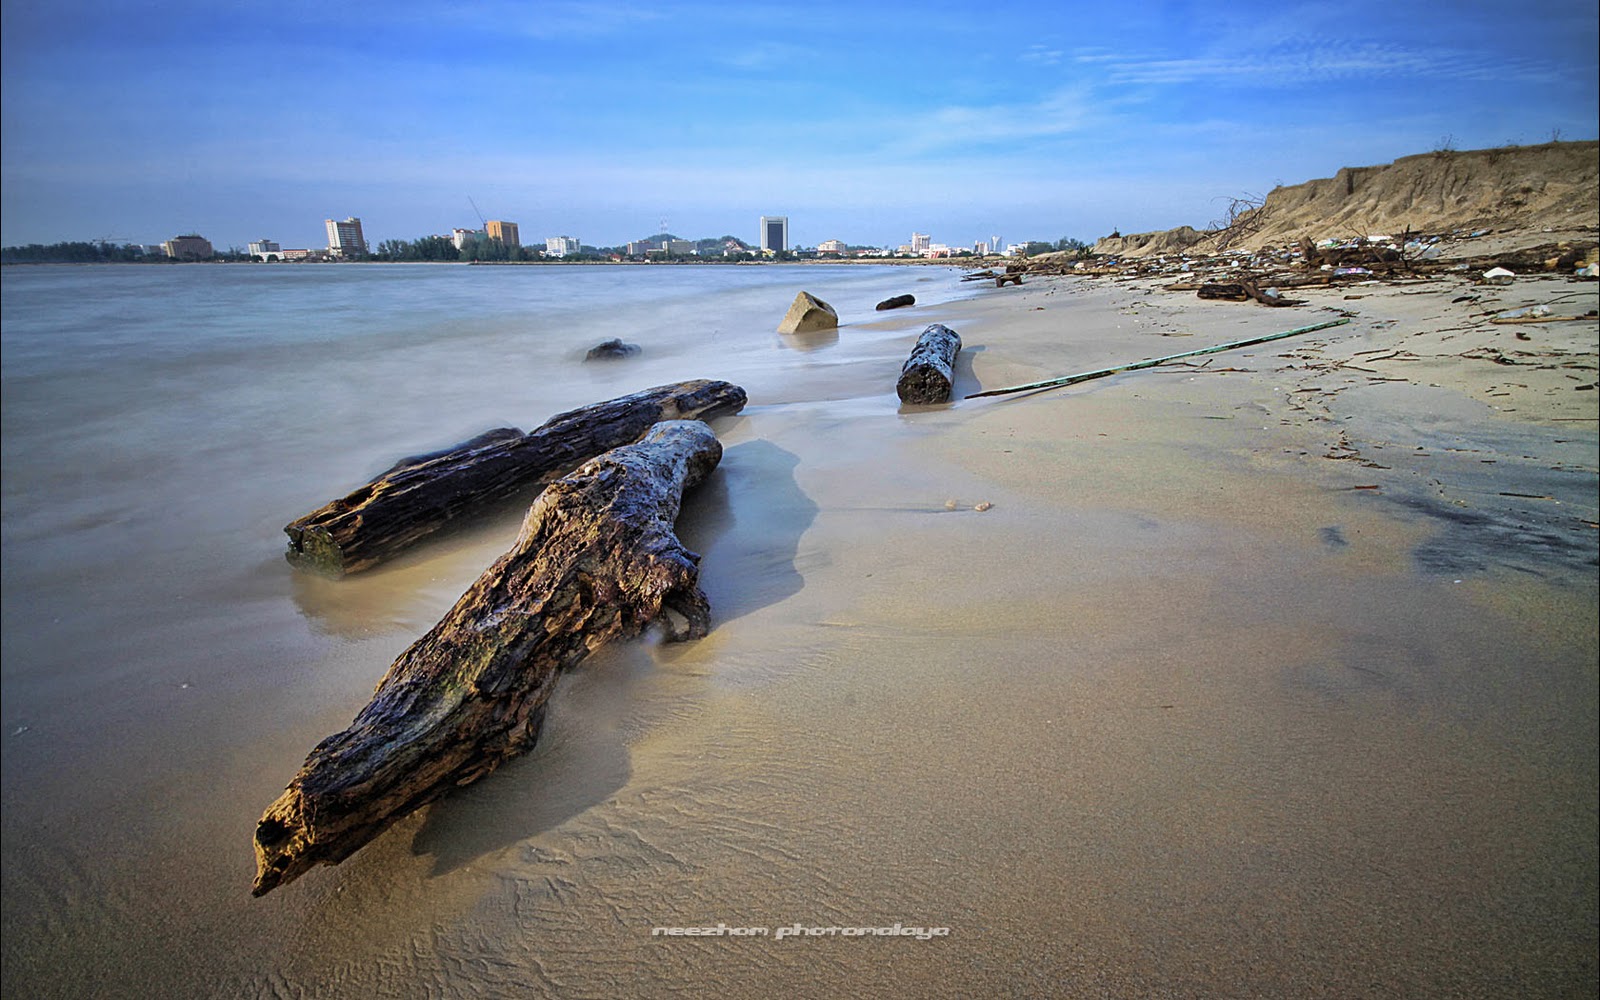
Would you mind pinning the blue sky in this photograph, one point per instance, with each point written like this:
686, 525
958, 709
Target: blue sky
860, 121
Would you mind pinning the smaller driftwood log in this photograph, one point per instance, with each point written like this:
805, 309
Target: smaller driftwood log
597, 560
896, 301
425, 493
928, 374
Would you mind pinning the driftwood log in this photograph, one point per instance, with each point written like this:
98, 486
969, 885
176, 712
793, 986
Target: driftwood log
425, 493
896, 301
597, 559
928, 374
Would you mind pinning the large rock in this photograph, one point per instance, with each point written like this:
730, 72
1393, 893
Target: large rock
807, 314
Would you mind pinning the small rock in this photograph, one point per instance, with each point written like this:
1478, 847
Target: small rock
614, 348
983, 506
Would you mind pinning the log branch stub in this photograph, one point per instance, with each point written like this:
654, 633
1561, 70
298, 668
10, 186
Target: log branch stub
423, 494
929, 372
597, 559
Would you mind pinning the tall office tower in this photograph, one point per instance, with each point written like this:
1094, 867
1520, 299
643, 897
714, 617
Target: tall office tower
505, 232
345, 239
994, 244
920, 243
774, 232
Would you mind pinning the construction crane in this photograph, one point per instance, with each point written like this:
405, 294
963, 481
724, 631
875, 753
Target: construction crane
481, 220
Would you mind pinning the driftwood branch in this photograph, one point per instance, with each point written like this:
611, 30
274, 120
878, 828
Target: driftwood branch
425, 493
928, 373
597, 560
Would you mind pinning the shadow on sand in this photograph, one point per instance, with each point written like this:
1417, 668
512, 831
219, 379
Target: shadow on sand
746, 521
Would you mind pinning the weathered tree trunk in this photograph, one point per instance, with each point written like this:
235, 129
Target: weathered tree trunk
896, 301
928, 374
424, 493
597, 559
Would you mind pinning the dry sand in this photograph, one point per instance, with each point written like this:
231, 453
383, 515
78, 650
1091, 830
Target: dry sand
1273, 677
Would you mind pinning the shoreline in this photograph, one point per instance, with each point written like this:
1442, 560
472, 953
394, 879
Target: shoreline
1188, 707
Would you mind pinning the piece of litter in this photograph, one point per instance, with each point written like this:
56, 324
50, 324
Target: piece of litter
983, 506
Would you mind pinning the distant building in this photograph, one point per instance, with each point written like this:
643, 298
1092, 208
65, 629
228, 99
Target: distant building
1017, 250
638, 248
345, 239
678, 246
775, 233
266, 250
302, 255
459, 237
919, 243
831, 246
981, 247
505, 232
995, 244
190, 247
562, 246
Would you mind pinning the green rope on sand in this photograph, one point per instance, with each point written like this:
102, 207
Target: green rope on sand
1135, 366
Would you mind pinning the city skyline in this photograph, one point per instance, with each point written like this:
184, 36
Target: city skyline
1092, 120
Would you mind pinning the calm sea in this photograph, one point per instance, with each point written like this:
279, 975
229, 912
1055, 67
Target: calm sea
161, 425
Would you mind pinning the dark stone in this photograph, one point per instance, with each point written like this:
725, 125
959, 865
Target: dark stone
611, 349
897, 302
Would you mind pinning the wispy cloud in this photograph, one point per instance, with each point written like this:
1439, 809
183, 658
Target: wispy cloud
1295, 62
1044, 55
956, 125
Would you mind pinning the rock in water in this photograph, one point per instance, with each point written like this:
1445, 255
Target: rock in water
614, 348
807, 314
897, 301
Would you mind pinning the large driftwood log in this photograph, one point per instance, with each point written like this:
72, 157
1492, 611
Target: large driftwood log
424, 493
928, 374
597, 559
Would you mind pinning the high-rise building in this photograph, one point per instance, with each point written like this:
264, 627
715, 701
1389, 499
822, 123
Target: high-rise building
345, 239
266, 249
505, 232
190, 247
562, 246
775, 232
920, 242
995, 244
459, 237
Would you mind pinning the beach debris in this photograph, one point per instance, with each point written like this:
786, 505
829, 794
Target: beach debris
807, 314
1527, 314
423, 494
895, 302
1013, 275
928, 373
981, 507
1498, 276
610, 350
597, 560
1153, 362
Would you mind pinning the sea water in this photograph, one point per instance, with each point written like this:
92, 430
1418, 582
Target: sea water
161, 425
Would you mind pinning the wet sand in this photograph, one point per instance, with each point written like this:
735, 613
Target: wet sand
1269, 678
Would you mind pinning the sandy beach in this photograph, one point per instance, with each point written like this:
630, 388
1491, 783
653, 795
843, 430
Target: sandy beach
1272, 674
